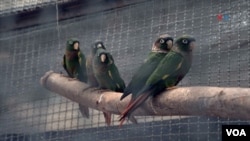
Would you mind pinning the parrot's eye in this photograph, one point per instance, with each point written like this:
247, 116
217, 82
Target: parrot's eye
161, 41
70, 42
184, 41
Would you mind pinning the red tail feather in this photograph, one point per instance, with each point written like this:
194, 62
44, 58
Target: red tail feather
107, 117
132, 106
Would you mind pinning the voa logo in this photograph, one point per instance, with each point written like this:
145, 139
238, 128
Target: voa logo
223, 17
236, 132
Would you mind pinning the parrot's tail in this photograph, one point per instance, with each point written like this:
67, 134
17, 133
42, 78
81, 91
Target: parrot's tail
107, 116
133, 119
149, 90
84, 111
132, 106
126, 92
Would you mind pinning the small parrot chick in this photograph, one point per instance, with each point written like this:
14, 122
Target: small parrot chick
168, 73
74, 63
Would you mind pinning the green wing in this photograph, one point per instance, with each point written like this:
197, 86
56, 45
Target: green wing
82, 60
143, 73
90, 74
168, 69
64, 63
115, 76
106, 73
82, 72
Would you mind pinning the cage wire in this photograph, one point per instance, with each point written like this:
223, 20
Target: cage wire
29, 112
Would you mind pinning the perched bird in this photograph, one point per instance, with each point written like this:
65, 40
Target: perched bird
169, 72
160, 48
106, 72
90, 73
106, 75
74, 63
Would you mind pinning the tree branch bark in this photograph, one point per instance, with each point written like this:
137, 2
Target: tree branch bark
195, 101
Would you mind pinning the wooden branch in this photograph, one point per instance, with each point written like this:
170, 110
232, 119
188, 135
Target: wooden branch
195, 101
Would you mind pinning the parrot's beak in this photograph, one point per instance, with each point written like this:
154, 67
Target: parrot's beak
103, 58
192, 45
76, 46
170, 44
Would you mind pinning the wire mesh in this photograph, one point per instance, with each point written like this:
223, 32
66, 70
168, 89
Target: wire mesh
29, 112
15, 6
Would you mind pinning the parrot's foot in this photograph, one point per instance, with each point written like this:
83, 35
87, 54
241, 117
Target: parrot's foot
95, 89
72, 79
99, 89
171, 88
89, 87
61, 73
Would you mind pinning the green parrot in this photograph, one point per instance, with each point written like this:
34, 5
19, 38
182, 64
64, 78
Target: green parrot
106, 72
74, 63
90, 73
107, 75
169, 72
160, 48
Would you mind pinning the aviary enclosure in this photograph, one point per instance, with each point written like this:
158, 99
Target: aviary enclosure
33, 36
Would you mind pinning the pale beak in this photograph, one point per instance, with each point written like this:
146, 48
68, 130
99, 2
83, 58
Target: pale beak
170, 44
192, 45
103, 58
76, 46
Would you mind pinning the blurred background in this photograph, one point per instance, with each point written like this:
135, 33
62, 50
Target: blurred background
33, 36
